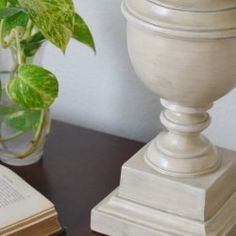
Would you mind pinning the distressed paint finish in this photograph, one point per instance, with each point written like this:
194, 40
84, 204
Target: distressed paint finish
179, 184
187, 52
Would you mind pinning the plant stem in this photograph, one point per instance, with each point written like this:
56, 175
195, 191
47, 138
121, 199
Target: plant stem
3, 43
36, 141
16, 135
14, 59
38, 137
28, 31
20, 59
1, 32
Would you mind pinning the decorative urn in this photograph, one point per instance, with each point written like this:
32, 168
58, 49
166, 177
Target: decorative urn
180, 183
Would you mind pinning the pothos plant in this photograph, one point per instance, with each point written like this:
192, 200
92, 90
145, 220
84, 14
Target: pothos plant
24, 26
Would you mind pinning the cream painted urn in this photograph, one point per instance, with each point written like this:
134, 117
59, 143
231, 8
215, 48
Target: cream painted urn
179, 184
185, 51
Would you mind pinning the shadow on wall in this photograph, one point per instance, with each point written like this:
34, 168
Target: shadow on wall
103, 92
137, 108
106, 94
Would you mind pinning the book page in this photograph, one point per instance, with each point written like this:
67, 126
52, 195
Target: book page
18, 200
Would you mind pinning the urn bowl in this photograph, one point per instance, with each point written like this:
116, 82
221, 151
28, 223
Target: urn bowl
185, 51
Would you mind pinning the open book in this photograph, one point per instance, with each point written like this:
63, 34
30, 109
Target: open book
23, 210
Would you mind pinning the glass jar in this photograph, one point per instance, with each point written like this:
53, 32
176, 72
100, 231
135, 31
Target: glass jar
21, 143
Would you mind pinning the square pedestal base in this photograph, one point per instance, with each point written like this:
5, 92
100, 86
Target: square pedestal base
151, 204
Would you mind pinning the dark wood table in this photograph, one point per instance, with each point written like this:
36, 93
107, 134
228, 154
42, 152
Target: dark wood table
79, 168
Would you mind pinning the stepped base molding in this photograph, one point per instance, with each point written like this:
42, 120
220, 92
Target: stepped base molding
152, 204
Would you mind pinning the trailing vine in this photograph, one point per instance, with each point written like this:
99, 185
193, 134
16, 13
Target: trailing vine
24, 26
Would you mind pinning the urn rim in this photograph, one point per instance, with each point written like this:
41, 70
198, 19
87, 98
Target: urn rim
197, 6
170, 20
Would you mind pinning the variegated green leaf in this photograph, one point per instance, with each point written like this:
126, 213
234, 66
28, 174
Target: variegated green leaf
54, 18
33, 87
20, 119
23, 120
8, 12
82, 32
3, 3
31, 47
19, 19
13, 2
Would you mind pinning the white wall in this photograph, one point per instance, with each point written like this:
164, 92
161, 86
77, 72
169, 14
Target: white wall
103, 93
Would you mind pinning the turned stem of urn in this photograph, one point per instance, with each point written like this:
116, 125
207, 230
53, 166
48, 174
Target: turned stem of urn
183, 151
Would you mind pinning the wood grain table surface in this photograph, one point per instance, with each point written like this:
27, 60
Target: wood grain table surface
79, 168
